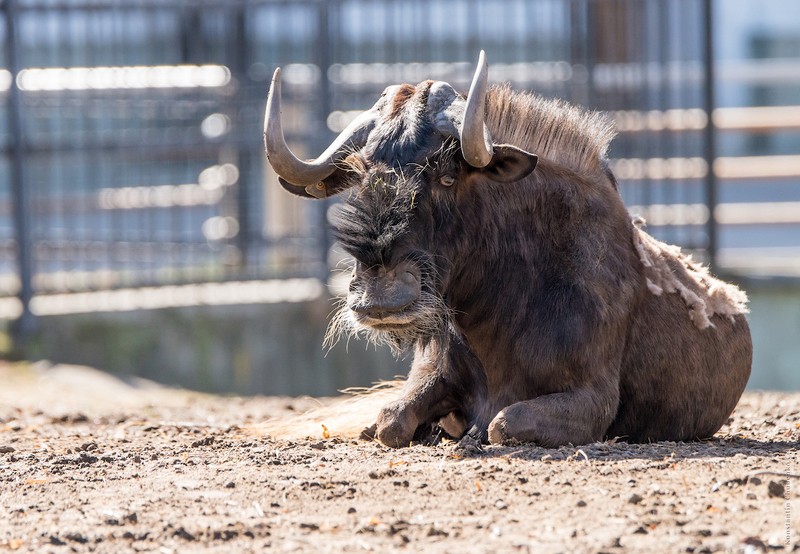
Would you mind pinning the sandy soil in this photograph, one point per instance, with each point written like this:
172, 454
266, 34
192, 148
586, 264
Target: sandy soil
91, 464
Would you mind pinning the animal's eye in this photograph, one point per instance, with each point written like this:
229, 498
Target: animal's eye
447, 180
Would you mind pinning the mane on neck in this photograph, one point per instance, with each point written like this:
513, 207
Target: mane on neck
552, 129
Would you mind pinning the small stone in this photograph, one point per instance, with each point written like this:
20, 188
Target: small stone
635, 499
775, 489
351, 510
434, 532
184, 534
205, 441
581, 504
230, 485
4, 449
77, 537
756, 544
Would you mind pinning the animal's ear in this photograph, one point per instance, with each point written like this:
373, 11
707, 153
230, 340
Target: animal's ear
510, 164
333, 184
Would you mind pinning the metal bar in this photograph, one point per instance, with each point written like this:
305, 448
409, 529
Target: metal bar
92, 5
240, 50
757, 167
729, 213
709, 135
741, 167
757, 119
323, 61
753, 119
25, 324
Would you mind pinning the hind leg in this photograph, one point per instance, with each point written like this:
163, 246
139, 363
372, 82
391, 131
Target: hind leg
551, 420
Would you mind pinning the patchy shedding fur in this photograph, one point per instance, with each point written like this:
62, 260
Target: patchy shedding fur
669, 270
552, 128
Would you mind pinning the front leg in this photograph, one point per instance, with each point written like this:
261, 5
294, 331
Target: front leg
445, 377
551, 420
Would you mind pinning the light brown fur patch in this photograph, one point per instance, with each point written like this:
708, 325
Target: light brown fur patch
344, 418
401, 98
669, 270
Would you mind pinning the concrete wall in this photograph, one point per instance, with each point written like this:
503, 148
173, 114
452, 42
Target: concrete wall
277, 348
243, 349
775, 323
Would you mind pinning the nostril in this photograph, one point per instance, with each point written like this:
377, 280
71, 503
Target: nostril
367, 310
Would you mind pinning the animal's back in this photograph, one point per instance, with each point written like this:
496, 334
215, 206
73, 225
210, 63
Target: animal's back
688, 353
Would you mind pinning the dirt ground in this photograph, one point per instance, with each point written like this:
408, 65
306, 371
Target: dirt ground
91, 464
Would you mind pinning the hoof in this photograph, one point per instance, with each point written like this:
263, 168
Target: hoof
368, 434
453, 424
498, 429
395, 427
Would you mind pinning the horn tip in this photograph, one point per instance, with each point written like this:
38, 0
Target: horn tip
273, 101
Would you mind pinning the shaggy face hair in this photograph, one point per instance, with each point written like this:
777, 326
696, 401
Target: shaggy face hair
379, 225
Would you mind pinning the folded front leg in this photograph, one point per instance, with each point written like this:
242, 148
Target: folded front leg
445, 377
551, 420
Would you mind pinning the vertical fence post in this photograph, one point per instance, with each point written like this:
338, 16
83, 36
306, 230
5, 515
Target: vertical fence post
322, 59
709, 135
22, 328
239, 62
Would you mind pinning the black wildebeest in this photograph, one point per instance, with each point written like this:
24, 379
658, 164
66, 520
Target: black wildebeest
489, 237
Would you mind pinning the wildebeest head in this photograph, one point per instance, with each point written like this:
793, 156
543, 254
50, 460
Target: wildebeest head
404, 161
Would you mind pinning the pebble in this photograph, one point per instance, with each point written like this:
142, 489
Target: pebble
775, 489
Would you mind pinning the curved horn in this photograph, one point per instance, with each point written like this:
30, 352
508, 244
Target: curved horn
285, 163
476, 144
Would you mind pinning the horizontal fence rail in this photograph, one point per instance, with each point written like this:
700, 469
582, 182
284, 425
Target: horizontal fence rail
130, 132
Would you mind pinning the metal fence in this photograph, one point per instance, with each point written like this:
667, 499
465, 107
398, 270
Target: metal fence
130, 132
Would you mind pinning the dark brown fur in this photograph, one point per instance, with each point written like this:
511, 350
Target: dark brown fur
556, 319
